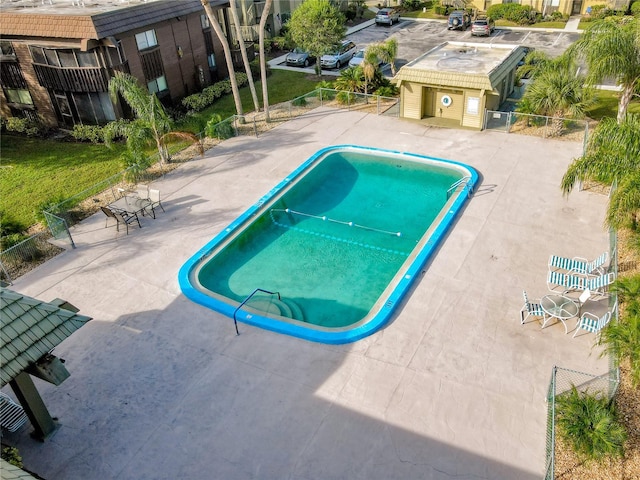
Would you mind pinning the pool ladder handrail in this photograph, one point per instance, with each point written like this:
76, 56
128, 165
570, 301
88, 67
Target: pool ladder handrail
463, 181
235, 321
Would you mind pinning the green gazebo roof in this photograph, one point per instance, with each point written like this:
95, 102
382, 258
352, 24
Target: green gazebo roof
31, 328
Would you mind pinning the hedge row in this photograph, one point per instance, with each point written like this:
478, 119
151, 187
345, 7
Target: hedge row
200, 101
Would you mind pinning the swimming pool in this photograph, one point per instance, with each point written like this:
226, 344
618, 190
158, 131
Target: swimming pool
329, 253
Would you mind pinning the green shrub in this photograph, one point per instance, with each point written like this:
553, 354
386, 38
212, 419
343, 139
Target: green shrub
200, 101
299, 102
412, 5
31, 128
280, 43
88, 133
11, 455
387, 91
634, 9
346, 98
590, 425
255, 68
219, 128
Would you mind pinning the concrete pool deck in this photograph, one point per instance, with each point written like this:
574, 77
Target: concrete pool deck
453, 387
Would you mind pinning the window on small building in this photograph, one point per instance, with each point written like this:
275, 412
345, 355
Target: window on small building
157, 85
211, 59
18, 95
204, 21
146, 39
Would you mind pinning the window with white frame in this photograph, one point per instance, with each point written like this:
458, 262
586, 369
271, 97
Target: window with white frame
146, 39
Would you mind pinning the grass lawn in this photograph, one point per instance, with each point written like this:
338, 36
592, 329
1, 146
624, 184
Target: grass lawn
34, 171
283, 85
607, 105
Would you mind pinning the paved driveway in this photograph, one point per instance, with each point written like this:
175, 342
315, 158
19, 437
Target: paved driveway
453, 387
417, 37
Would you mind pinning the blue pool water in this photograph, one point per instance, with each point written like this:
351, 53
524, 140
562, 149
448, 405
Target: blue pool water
330, 252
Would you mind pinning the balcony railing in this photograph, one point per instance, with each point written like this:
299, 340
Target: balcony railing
83, 79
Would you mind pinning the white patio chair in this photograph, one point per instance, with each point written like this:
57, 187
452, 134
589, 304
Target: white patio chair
579, 265
592, 323
530, 309
154, 198
12, 415
597, 285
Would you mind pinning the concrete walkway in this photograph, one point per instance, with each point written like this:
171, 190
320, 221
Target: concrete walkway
572, 24
453, 387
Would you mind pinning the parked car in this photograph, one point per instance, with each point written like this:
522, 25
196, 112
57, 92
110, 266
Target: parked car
387, 16
358, 57
340, 56
483, 26
459, 20
299, 58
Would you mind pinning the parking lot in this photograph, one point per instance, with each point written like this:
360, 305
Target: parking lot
417, 37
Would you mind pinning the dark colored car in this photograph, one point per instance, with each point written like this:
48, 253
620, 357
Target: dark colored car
483, 27
459, 20
387, 16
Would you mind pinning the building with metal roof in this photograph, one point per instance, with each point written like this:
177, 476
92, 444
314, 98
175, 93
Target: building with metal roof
458, 82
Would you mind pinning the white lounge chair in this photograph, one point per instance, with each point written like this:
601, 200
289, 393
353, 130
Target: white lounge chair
592, 323
597, 285
578, 265
530, 309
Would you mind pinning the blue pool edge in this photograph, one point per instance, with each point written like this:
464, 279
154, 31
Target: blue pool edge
383, 315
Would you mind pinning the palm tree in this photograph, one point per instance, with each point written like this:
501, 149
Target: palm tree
151, 124
556, 91
621, 340
369, 67
612, 153
243, 52
611, 49
350, 80
263, 61
227, 54
387, 52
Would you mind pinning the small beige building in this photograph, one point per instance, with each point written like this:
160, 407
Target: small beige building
458, 81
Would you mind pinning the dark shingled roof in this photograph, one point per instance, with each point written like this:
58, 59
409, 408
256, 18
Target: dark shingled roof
102, 21
29, 329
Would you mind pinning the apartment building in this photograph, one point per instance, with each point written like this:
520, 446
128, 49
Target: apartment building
57, 56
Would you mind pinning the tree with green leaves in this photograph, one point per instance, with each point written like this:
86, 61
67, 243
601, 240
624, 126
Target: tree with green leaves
317, 26
611, 49
612, 153
213, 21
557, 91
243, 52
263, 59
151, 125
388, 52
369, 66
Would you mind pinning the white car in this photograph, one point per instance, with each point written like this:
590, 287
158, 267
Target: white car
340, 56
358, 57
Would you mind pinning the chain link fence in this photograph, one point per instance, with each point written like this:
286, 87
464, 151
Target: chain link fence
536, 125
